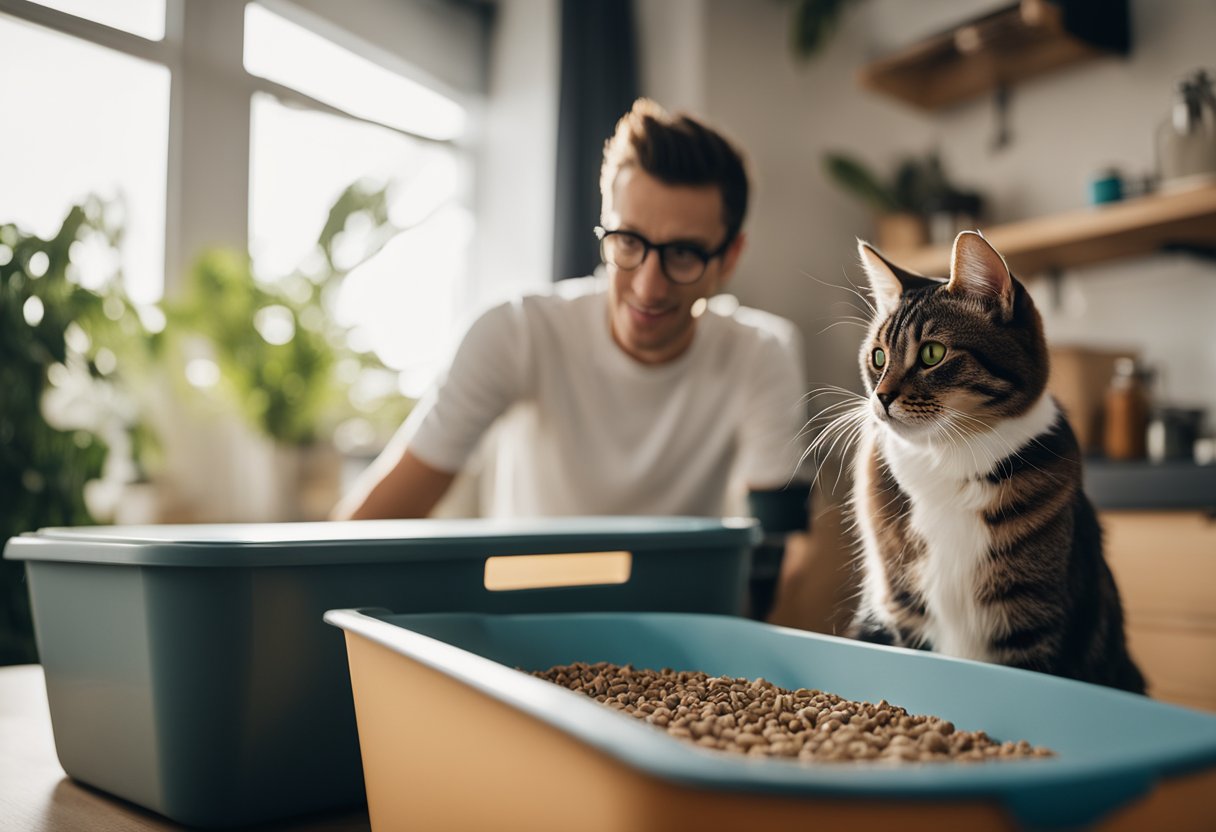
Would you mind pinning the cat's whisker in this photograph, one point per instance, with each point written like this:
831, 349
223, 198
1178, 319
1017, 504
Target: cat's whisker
956, 433
851, 401
838, 423
855, 318
824, 457
843, 322
823, 388
986, 428
848, 288
816, 421
828, 389
955, 414
844, 455
848, 404
836, 429
856, 289
1013, 453
827, 413
846, 451
831, 422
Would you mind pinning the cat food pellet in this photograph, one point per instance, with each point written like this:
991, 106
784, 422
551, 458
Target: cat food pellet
757, 718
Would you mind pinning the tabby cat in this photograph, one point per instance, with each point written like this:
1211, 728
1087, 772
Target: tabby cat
977, 540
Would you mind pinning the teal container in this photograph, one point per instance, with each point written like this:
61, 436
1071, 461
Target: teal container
188, 669
1115, 750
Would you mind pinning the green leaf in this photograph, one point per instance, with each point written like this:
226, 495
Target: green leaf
853, 176
812, 25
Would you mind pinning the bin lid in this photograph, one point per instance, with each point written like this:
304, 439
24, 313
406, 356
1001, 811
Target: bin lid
373, 541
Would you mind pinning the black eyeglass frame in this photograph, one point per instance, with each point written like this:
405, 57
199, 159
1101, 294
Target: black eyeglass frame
602, 234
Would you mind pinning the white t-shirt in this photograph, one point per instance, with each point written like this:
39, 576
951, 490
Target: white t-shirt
591, 431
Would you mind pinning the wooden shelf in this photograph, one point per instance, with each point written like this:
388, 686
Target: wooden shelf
1028, 38
1130, 228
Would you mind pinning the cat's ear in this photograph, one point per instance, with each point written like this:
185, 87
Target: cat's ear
977, 268
887, 281
885, 287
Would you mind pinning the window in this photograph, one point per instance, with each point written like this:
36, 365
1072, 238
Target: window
402, 301
145, 18
91, 114
390, 131
85, 119
282, 51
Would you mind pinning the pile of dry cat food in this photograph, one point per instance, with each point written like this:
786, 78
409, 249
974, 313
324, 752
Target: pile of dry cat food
756, 717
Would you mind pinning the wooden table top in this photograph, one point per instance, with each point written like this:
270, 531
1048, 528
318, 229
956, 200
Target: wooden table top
37, 796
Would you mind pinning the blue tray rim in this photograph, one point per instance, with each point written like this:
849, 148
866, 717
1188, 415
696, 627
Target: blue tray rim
1030, 789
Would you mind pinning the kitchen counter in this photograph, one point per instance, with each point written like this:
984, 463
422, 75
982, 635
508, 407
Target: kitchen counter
1166, 486
37, 796
1165, 565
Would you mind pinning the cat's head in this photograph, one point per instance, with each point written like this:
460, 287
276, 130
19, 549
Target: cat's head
945, 355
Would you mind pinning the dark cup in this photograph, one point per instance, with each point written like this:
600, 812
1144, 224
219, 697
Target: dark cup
1172, 432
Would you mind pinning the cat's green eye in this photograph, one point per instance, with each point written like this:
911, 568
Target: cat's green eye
879, 357
932, 353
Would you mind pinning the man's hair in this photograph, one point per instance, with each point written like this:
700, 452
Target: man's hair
677, 150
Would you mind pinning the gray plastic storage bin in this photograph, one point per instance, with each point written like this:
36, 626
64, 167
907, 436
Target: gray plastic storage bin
188, 669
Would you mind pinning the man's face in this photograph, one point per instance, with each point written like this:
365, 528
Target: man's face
652, 317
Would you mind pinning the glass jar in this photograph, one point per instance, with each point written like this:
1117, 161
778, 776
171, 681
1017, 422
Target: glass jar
1186, 141
1126, 411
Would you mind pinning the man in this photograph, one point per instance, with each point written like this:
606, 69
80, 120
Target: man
622, 394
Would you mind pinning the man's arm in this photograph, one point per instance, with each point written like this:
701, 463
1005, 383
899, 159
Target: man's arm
397, 484
486, 376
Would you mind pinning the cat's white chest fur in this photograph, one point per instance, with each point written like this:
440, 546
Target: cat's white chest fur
949, 494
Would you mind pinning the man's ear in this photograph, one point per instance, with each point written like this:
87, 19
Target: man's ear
885, 285
730, 258
976, 268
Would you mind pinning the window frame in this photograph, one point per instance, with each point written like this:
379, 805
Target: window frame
211, 93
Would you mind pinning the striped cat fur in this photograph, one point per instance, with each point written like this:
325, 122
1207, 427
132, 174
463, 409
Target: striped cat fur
976, 538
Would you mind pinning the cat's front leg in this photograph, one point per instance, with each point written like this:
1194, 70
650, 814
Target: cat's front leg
866, 627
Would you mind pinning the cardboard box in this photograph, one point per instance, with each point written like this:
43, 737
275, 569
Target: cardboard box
1079, 379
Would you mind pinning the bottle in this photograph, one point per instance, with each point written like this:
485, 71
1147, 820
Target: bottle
1186, 141
1127, 410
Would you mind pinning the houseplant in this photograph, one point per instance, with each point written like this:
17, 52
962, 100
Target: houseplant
812, 23
284, 362
65, 418
902, 204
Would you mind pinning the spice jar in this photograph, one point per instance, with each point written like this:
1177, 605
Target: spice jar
1127, 410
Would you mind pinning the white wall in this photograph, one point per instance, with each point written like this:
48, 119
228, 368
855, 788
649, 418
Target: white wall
801, 230
1066, 126
671, 40
516, 167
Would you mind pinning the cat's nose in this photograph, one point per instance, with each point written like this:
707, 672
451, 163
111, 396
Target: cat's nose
886, 399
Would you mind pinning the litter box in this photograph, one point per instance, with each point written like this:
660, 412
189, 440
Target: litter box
454, 737
188, 669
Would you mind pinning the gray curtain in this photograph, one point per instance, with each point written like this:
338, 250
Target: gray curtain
599, 81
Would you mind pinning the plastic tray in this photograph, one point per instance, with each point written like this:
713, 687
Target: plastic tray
454, 738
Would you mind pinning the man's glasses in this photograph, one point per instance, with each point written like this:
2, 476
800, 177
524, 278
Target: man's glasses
681, 263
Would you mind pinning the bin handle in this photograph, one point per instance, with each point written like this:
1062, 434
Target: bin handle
510, 573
